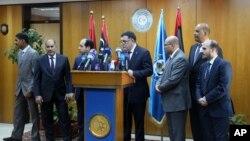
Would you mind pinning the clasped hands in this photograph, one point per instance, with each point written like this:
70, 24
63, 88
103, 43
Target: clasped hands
202, 101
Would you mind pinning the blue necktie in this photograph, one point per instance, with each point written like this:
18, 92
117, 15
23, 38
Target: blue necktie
197, 52
206, 77
52, 66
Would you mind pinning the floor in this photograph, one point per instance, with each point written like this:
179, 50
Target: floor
5, 131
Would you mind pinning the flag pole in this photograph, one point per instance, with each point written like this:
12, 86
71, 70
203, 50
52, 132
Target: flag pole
161, 134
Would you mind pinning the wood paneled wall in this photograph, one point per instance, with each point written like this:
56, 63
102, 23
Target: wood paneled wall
228, 20
10, 15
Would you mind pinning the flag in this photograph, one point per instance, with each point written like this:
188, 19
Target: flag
104, 35
92, 28
178, 29
155, 104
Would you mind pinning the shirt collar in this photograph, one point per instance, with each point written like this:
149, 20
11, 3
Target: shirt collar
172, 55
54, 56
132, 50
26, 48
212, 60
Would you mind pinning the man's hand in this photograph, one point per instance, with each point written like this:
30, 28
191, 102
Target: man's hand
39, 100
157, 88
130, 73
28, 95
202, 101
69, 97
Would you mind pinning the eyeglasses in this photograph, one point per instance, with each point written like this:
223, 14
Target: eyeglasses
124, 41
166, 45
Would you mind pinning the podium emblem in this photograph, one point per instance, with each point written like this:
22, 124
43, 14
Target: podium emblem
99, 125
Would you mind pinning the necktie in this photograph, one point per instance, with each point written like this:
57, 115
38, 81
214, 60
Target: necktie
206, 77
207, 71
197, 52
130, 55
52, 66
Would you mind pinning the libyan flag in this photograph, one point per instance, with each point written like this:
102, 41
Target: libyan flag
92, 28
178, 29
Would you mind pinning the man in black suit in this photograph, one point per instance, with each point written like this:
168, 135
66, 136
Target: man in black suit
84, 48
52, 85
213, 94
201, 34
140, 67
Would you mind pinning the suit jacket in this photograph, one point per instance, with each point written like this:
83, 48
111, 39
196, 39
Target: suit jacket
79, 65
46, 83
217, 89
26, 65
141, 64
195, 67
174, 84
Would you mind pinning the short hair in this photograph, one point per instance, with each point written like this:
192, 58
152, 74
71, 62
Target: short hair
130, 35
205, 27
89, 43
23, 36
214, 45
54, 41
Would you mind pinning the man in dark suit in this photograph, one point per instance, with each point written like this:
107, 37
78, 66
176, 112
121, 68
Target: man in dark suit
174, 88
140, 67
53, 86
201, 34
213, 93
24, 99
84, 47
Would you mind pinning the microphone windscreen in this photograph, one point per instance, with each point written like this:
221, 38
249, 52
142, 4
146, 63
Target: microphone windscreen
107, 50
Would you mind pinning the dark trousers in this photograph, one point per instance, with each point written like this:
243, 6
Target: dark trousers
64, 120
195, 121
21, 112
176, 122
215, 129
80, 116
136, 110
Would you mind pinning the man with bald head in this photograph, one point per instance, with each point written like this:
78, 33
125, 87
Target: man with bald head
84, 48
52, 85
201, 35
174, 88
212, 93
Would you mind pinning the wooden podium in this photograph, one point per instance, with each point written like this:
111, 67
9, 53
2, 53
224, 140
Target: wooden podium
103, 103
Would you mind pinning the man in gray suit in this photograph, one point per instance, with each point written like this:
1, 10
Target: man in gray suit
24, 99
174, 88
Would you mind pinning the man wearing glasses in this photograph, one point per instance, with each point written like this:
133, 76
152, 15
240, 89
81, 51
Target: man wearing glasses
139, 67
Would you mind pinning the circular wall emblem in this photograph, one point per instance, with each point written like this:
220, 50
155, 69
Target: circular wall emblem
142, 20
99, 125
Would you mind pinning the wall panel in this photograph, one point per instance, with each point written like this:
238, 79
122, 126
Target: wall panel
10, 15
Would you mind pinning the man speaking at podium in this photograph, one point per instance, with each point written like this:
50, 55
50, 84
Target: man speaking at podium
139, 67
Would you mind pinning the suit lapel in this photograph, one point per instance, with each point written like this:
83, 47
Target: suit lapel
133, 57
213, 68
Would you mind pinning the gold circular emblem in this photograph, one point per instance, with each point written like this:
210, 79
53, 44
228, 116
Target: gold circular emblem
99, 125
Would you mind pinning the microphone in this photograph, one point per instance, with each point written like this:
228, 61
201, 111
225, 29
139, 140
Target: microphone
123, 62
90, 57
107, 52
118, 52
83, 58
